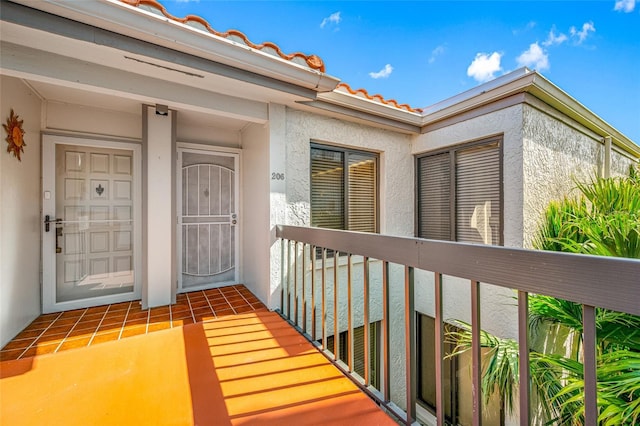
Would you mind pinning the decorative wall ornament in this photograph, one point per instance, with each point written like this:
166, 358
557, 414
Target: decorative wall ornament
15, 135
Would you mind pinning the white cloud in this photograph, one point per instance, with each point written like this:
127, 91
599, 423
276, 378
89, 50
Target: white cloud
436, 52
484, 66
555, 39
334, 18
383, 73
530, 25
625, 6
534, 57
582, 34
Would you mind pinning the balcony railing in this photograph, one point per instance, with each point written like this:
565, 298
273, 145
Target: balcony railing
313, 289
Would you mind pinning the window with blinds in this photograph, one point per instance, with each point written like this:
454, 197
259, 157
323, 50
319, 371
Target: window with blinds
344, 189
460, 194
358, 351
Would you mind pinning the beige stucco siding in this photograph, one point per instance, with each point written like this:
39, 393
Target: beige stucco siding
20, 205
556, 155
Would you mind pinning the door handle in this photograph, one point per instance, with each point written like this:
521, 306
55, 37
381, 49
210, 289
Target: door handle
48, 221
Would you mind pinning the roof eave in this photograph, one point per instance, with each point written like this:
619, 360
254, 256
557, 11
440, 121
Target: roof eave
538, 86
367, 106
552, 95
118, 17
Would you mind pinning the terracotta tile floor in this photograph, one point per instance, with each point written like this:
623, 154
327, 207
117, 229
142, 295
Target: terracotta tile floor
57, 332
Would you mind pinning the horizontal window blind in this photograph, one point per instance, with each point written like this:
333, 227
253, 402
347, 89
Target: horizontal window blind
344, 189
362, 193
434, 189
327, 189
463, 203
478, 195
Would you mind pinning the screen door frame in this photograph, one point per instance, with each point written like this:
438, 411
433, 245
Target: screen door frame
235, 154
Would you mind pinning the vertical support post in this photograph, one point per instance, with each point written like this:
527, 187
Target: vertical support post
336, 328
282, 275
324, 301
289, 279
304, 285
590, 378
476, 354
386, 351
439, 349
295, 283
410, 343
523, 351
606, 169
349, 316
365, 301
313, 292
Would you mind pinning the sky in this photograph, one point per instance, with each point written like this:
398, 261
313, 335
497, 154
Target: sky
422, 52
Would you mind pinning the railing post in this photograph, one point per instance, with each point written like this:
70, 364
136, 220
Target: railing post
289, 279
410, 343
304, 285
349, 316
476, 354
295, 282
324, 301
590, 377
523, 351
439, 349
336, 328
313, 292
282, 274
365, 296
385, 332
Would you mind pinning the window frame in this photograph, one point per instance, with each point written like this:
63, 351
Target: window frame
346, 151
452, 150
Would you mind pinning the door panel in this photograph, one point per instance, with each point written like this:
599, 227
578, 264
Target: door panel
208, 219
90, 243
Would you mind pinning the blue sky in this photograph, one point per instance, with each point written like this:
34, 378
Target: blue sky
422, 52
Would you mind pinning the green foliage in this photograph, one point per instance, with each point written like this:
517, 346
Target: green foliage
604, 221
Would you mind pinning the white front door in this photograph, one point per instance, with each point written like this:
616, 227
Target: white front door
207, 234
92, 222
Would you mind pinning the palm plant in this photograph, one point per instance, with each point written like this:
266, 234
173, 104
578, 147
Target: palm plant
604, 220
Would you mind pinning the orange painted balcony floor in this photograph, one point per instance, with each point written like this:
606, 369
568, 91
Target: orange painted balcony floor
234, 368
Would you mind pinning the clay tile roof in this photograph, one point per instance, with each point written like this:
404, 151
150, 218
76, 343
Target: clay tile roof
376, 98
311, 61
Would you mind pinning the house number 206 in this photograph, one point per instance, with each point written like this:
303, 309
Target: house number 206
277, 176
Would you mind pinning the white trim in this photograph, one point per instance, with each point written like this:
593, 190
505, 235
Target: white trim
236, 154
49, 143
140, 24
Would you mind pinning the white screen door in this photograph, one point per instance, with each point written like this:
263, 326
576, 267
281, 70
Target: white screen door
208, 219
91, 223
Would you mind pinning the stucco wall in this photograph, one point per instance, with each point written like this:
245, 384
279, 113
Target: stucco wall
557, 155
255, 210
20, 296
87, 121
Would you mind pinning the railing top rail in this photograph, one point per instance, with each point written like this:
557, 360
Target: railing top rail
607, 282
